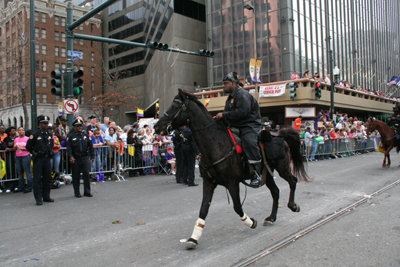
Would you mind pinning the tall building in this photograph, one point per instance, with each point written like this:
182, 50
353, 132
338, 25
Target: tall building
50, 42
152, 75
296, 35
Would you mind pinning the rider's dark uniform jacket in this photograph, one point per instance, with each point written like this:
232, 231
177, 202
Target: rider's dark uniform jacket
242, 111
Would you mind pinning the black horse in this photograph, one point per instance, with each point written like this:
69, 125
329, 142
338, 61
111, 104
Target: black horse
221, 165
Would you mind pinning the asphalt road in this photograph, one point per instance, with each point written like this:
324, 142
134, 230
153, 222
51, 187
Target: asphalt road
155, 213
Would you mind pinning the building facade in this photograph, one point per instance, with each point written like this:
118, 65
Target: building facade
50, 54
152, 75
297, 35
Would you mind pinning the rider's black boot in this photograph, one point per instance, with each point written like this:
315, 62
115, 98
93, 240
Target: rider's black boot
255, 170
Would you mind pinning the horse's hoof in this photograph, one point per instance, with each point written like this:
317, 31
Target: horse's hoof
191, 244
254, 226
268, 223
296, 208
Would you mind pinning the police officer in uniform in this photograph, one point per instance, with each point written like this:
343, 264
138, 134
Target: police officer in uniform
242, 111
190, 153
40, 145
80, 147
178, 149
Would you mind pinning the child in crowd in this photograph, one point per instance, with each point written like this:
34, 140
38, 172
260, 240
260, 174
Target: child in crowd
170, 157
120, 150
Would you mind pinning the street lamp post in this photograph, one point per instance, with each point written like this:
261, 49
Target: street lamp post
250, 7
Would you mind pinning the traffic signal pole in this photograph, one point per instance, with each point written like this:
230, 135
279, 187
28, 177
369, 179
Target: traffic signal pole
70, 27
33, 65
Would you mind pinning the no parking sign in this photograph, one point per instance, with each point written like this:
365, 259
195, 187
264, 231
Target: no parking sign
71, 106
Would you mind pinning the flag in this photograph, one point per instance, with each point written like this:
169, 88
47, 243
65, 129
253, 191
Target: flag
140, 112
207, 100
157, 110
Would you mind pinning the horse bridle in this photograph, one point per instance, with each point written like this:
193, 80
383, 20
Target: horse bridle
180, 111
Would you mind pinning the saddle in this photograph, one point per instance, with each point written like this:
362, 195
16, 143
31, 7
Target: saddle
273, 146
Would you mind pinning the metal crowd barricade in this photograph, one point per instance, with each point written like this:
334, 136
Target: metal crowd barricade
8, 168
151, 160
343, 147
105, 163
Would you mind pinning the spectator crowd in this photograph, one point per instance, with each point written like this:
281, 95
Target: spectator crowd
138, 150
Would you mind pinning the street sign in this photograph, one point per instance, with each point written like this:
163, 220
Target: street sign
75, 54
74, 59
71, 106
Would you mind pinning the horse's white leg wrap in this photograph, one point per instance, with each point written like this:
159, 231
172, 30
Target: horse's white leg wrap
198, 229
246, 220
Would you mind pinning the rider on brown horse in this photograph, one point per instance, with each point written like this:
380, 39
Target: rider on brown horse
394, 122
242, 112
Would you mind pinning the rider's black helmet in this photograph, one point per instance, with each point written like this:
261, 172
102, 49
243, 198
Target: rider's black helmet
233, 77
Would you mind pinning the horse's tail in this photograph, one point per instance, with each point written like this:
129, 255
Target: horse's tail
292, 138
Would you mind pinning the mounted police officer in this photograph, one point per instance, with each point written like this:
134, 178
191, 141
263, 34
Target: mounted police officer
242, 112
177, 139
394, 121
40, 145
80, 147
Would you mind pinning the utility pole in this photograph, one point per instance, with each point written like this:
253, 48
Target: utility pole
70, 66
33, 65
332, 84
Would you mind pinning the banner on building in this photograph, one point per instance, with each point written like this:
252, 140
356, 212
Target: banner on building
60, 108
258, 70
157, 110
272, 90
294, 112
252, 68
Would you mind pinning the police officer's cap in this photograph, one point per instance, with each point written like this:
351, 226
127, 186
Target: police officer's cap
63, 119
44, 119
77, 122
92, 117
233, 77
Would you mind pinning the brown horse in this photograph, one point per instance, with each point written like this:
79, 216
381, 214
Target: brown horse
388, 137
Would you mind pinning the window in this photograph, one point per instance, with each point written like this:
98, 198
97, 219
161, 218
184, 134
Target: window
82, 54
44, 17
63, 52
44, 65
36, 32
43, 49
92, 71
57, 65
37, 98
91, 27
37, 65
75, 41
63, 66
92, 86
44, 98
57, 51
36, 48
81, 68
44, 82
56, 36
81, 27
92, 43
80, 41
82, 100
62, 21
57, 20
92, 56
63, 36
43, 33
36, 16
37, 82
57, 99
